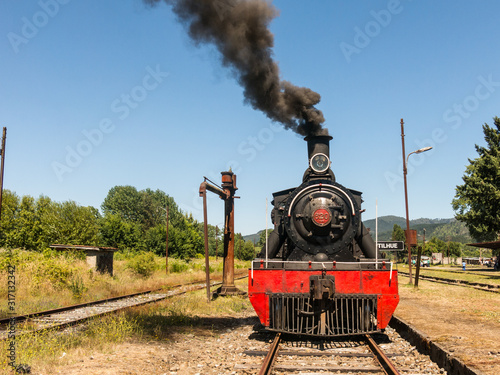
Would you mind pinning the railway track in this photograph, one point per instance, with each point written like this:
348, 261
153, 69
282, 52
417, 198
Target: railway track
471, 271
64, 317
386, 353
363, 356
468, 284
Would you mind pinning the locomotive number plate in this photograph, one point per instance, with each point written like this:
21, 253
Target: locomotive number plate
321, 217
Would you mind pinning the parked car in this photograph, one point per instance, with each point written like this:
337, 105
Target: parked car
425, 262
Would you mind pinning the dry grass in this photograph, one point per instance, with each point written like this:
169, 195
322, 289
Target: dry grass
47, 350
473, 303
186, 314
50, 280
463, 320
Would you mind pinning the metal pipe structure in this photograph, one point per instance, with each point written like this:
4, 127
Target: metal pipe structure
226, 193
229, 187
203, 192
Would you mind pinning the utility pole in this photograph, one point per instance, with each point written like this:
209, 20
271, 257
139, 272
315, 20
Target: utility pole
166, 246
4, 137
405, 171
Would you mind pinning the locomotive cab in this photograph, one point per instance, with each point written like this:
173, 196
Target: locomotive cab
318, 274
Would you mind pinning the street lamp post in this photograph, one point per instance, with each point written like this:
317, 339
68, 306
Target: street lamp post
405, 163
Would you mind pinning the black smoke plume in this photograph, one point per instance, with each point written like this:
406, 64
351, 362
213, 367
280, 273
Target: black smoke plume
240, 31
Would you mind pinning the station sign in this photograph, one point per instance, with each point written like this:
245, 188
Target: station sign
390, 245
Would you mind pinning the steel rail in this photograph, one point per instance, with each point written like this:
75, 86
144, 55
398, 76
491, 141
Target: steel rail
23, 317
267, 365
200, 285
20, 318
489, 272
479, 286
77, 321
384, 361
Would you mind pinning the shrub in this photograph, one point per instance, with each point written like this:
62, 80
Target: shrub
54, 270
178, 266
125, 254
142, 264
77, 287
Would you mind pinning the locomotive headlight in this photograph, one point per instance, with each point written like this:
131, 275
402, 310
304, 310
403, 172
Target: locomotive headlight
320, 163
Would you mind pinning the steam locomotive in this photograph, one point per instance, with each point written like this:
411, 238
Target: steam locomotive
319, 274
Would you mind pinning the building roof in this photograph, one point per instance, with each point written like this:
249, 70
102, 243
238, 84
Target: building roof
488, 245
82, 247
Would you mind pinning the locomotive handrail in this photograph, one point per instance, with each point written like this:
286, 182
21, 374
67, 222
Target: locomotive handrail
263, 261
322, 262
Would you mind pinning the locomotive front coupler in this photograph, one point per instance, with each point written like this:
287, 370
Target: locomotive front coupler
322, 287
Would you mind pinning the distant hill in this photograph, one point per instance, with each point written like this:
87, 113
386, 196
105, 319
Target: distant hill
386, 223
254, 237
444, 229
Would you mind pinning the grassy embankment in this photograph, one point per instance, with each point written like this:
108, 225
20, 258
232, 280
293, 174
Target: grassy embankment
482, 305
464, 320
49, 280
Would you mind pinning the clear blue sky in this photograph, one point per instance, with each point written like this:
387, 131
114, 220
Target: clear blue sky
96, 94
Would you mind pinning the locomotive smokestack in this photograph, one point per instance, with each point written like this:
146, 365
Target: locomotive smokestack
318, 144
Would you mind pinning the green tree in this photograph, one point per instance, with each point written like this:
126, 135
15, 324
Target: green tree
123, 201
398, 234
10, 213
144, 207
137, 220
34, 225
435, 245
214, 236
69, 223
43, 205
245, 251
477, 201
155, 239
27, 225
455, 249
116, 232
185, 243
262, 237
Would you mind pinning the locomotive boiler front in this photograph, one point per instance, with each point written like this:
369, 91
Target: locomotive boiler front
319, 220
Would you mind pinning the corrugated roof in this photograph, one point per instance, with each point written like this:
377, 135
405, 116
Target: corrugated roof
488, 245
82, 247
